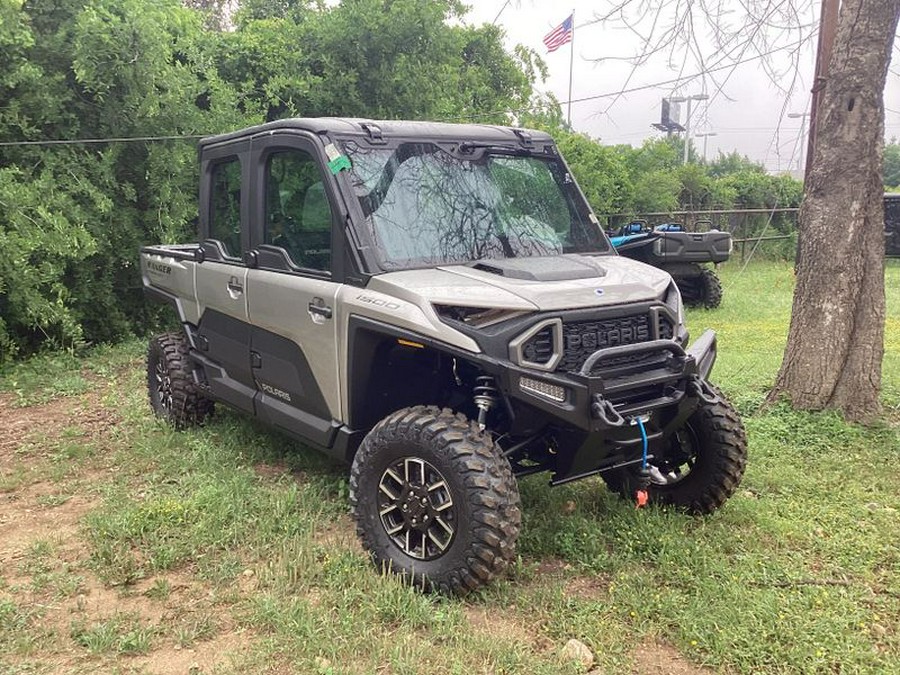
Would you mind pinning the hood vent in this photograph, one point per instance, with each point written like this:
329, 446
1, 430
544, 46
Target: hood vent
550, 268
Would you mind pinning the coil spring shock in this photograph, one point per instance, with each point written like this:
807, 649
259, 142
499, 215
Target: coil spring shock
485, 396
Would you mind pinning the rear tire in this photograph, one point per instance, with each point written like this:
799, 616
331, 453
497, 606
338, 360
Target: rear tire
174, 396
710, 289
434, 500
701, 468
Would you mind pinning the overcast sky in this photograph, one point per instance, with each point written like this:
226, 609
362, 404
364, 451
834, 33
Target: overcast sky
748, 114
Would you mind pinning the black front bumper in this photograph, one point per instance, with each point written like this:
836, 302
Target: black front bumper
594, 428
600, 398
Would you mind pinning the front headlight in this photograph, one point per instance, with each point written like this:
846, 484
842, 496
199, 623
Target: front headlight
673, 301
477, 317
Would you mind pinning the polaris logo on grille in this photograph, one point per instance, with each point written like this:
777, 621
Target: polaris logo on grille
598, 339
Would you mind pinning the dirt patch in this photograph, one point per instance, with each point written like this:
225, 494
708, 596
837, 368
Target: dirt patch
203, 657
502, 625
271, 471
558, 572
44, 561
23, 522
658, 658
586, 587
18, 423
38, 425
340, 533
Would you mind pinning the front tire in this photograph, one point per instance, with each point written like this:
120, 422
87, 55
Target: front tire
702, 465
434, 500
174, 396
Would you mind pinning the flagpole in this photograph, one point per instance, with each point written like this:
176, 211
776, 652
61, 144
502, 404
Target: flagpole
571, 61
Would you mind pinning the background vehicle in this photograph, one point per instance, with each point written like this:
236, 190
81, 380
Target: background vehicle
682, 254
892, 224
436, 305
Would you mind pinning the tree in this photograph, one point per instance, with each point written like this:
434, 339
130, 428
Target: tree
733, 162
836, 338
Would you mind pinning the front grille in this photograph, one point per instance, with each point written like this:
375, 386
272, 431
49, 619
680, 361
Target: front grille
583, 338
539, 348
666, 327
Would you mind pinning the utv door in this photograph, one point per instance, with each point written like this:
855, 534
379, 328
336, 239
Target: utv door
291, 293
223, 331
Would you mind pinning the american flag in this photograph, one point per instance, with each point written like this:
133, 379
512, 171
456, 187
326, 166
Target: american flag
560, 35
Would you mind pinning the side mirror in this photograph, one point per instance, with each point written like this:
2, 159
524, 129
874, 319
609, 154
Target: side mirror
251, 259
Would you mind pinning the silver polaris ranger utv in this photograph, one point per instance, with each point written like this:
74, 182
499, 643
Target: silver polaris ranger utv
437, 306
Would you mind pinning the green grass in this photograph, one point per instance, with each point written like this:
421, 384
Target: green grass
797, 573
120, 634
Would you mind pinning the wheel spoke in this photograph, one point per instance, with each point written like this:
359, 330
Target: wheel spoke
447, 528
387, 509
680, 459
397, 528
393, 474
384, 488
444, 505
442, 545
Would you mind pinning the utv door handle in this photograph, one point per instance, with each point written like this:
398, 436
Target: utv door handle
318, 306
234, 288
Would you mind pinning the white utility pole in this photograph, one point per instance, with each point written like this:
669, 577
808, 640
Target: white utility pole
687, 121
803, 117
705, 136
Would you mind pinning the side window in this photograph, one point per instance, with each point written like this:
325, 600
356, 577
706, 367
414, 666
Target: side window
225, 214
298, 215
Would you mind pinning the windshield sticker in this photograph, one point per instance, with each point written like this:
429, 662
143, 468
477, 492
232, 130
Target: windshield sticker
339, 163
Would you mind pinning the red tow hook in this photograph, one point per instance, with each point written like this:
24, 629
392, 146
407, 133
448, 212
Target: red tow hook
641, 498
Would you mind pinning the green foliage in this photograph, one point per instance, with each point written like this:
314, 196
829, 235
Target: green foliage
606, 180
892, 164
732, 163
42, 232
73, 217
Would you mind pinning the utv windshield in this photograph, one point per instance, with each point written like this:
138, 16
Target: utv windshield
426, 205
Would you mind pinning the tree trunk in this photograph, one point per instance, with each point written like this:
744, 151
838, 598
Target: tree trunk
836, 339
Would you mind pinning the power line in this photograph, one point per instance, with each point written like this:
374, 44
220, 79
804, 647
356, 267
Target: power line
655, 85
505, 5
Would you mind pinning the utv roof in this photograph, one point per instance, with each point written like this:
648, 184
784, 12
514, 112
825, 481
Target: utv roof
387, 129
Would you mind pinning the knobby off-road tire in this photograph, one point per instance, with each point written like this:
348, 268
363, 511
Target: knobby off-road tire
710, 289
703, 465
174, 395
435, 467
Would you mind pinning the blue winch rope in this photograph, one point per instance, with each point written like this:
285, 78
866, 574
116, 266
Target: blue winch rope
640, 424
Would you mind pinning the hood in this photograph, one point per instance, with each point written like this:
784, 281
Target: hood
530, 284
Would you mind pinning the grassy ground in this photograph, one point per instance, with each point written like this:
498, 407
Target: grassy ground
125, 546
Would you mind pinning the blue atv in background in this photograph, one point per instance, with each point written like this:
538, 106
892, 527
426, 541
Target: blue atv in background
680, 253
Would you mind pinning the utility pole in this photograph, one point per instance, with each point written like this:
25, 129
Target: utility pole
827, 30
802, 117
705, 136
687, 121
571, 65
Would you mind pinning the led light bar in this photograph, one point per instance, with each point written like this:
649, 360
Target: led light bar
552, 391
